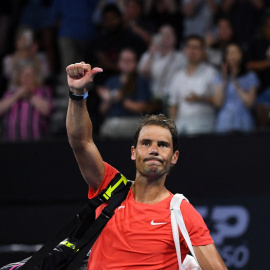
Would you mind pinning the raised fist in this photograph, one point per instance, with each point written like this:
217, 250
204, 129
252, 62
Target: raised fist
79, 76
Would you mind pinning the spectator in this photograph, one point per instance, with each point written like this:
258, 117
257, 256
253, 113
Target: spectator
217, 40
124, 97
97, 15
259, 61
26, 108
26, 52
259, 54
160, 63
37, 14
245, 17
163, 12
236, 93
75, 29
198, 16
136, 22
112, 39
192, 90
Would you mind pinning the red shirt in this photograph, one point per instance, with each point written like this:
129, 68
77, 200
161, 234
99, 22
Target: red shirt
139, 235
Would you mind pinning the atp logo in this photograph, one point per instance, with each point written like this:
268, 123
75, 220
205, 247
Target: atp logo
228, 224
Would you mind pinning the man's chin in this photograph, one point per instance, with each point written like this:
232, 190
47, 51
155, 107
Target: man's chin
153, 172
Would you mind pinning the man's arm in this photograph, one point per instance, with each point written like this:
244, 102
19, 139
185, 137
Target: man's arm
209, 258
79, 126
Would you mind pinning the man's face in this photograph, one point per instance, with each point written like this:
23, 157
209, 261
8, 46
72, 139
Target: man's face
194, 51
154, 154
112, 21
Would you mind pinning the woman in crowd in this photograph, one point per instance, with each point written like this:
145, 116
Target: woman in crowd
124, 98
159, 64
26, 51
236, 93
217, 40
27, 106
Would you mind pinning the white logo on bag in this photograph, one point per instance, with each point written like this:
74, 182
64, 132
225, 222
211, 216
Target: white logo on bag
157, 223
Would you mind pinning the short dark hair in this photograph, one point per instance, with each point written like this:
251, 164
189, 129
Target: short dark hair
111, 8
195, 37
158, 120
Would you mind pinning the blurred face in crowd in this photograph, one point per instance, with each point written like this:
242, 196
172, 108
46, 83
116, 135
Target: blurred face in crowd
234, 55
194, 51
225, 30
168, 38
24, 39
112, 21
132, 10
127, 62
27, 77
266, 29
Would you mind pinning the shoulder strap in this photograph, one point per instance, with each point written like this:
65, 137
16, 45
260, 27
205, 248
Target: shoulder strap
92, 233
177, 220
83, 221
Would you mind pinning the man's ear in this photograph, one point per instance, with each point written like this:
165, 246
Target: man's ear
175, 157
133, 153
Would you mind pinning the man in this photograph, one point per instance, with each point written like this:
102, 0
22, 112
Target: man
192, 90
139, 234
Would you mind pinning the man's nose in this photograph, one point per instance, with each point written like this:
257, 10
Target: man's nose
154, 149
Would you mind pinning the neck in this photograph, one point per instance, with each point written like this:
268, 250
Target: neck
165, 51
150, 191
192, 67
123, 77
234, 70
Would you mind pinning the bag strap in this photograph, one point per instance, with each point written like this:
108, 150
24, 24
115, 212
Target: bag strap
96, 228
177, 220
81, 222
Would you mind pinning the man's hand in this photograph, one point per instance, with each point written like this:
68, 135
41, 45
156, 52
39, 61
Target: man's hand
79, 76
193, 98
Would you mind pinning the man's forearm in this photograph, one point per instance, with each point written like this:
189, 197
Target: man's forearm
79, 126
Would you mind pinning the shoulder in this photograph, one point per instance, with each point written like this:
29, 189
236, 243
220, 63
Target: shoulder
191, 216
142, 79
208, 68
196, 227
179, 74
8, 93
114, 80
208, 71
251, 77
8, 58
109, 174
44, 90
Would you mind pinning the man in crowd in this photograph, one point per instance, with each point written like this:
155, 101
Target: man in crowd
191, 91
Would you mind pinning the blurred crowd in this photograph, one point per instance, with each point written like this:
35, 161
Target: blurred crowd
204, 63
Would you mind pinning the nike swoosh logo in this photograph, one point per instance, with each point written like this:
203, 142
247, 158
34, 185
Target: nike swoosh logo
121, 206
157, 223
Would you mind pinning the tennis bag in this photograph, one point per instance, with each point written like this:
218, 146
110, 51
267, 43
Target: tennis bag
79, 235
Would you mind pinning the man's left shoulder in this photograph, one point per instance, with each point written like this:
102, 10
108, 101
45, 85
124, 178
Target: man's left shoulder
209, 70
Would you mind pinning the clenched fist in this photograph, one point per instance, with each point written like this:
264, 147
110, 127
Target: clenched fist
79, 76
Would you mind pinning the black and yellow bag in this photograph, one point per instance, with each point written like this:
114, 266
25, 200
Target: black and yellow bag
79, 235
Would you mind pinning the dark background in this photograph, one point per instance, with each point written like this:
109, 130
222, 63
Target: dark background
41, 188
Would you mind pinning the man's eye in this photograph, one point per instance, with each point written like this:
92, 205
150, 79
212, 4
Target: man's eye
163, 145
145, 143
